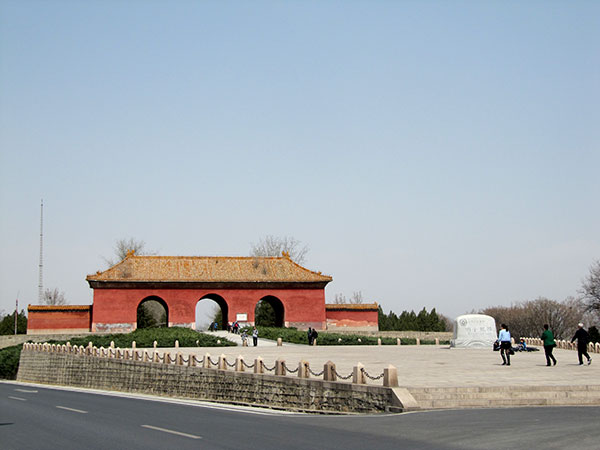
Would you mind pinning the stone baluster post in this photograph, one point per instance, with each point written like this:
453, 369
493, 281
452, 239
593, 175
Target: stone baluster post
279, 342
239, 364
390, 376
280, 367
378, 341
303, 369
259, 365
358, 376
329, 371
222, 362
206, 363
418, 341
398, 341
176, 343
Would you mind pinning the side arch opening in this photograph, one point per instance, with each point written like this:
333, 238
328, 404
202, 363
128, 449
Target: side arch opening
152, 312
269, 312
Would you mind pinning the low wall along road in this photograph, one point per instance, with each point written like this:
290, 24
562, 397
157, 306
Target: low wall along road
132, 370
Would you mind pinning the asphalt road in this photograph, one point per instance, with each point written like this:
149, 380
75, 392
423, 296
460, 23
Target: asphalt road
35, 417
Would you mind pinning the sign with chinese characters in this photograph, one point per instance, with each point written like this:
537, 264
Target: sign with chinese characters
474, 331
241, 317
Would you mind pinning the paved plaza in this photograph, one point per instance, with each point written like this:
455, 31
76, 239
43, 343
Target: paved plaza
426, 365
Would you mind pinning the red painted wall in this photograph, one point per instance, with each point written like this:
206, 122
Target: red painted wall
116, 309
41, 321
353, 319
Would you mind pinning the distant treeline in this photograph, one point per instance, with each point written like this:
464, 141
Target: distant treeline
409, 321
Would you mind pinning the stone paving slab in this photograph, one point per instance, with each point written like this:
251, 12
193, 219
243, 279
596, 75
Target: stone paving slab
428, 365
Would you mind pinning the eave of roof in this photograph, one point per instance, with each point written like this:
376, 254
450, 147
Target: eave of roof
352, 306
202, 270
59, 307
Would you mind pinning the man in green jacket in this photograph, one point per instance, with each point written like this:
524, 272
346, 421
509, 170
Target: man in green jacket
549, 345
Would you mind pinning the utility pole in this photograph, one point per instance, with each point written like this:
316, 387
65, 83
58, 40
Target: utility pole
16, 312
41, 265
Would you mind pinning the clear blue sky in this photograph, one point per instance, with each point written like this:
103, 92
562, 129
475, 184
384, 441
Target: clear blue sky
437, 154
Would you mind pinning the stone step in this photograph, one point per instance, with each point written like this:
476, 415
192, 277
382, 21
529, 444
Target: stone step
504, 396
507, 394
511, 388
497, 403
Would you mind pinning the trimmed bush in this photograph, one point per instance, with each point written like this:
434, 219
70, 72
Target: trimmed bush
145, 337
9, 362
295, 336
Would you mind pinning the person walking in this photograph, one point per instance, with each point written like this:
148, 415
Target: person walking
255, 336
549, 344
505, 344
309, 335
583, 338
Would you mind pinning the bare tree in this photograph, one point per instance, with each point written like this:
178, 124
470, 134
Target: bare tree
124, 246
54, 297
275, 246
357, 298
590, 288
526, 319
339, 299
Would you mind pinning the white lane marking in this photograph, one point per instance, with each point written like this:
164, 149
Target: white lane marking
194, 403
178, 433
72, 409
30, 391
17, 398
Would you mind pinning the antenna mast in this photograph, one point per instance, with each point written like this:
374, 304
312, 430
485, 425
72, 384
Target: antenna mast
41, 266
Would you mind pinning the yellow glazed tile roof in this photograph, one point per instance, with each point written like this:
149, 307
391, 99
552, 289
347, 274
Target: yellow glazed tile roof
351, 306
59, 307
208, 269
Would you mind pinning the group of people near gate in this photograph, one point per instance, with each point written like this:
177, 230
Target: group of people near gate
581, 336
233, 327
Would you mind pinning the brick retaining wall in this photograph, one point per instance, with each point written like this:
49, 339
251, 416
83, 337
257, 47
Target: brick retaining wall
81, 370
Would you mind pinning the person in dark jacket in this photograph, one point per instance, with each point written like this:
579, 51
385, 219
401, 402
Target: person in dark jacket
583, 338
309, 334
549, 344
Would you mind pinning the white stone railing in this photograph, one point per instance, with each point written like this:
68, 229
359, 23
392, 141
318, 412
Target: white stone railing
359, 374
565, 345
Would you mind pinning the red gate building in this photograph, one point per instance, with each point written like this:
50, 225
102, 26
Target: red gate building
178, 283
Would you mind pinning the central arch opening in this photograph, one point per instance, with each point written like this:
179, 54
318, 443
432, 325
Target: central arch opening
210, 309
269, 312
152, 312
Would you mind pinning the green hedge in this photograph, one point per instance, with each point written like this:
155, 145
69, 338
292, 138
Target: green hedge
9, 362
145, 337
295, 336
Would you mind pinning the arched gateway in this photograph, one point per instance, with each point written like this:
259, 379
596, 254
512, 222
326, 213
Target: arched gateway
296, 294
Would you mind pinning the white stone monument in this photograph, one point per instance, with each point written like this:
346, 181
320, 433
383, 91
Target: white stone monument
474, 331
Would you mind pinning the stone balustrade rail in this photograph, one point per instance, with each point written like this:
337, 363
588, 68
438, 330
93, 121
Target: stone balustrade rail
565, 345
359, 374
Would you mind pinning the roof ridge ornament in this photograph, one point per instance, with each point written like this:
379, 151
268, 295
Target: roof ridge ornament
130, 253
285, 254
